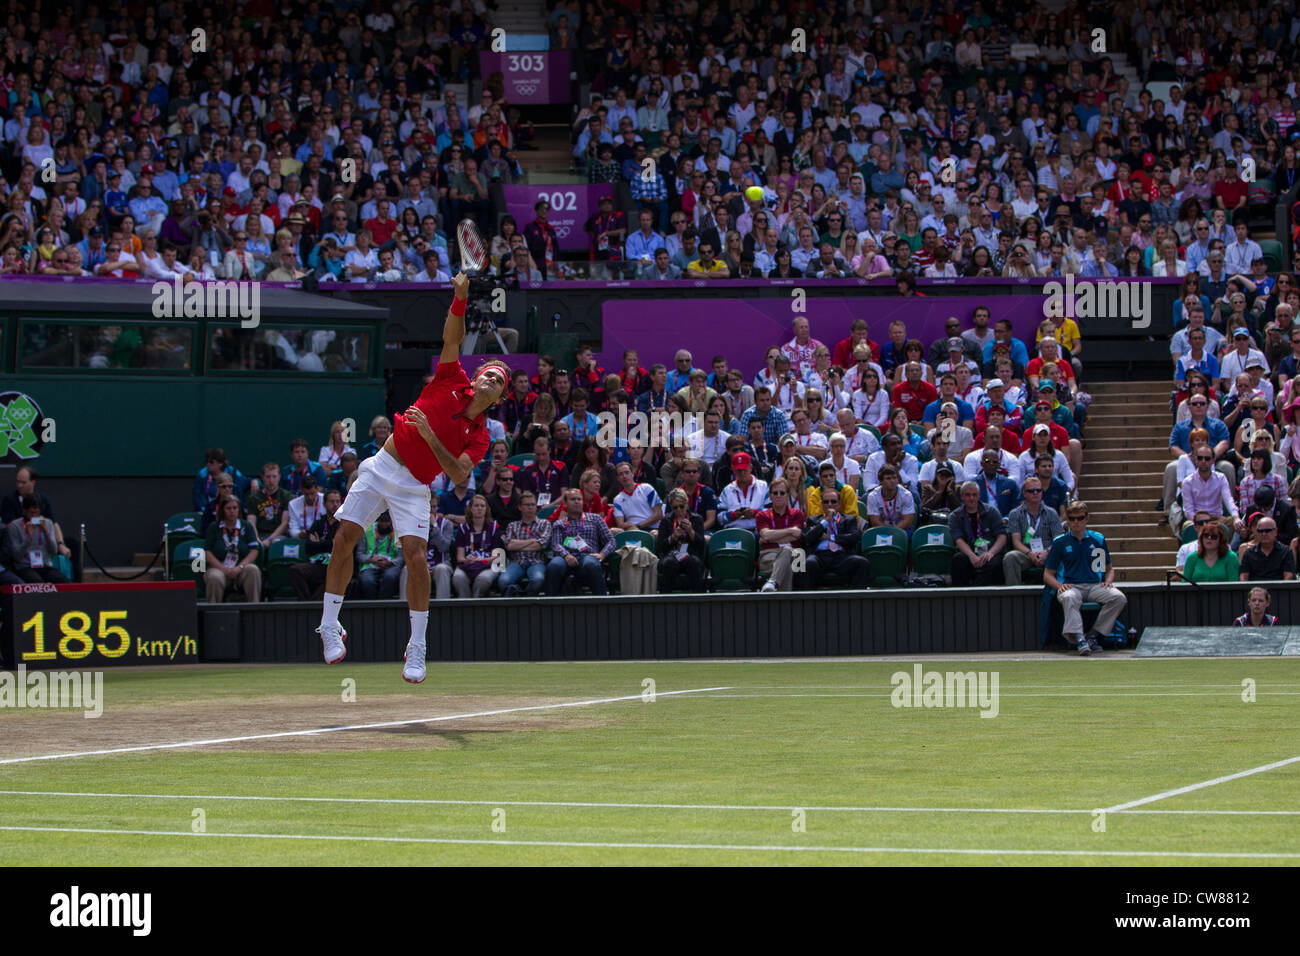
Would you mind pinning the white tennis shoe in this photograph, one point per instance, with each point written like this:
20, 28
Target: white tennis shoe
332, 637
413, 670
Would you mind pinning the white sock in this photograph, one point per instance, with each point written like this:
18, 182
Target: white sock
330, 614
419, 624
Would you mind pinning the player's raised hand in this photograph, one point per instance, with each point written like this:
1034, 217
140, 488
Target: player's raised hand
461, 284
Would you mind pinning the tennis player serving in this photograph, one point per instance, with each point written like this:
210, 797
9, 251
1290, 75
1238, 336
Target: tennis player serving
444, 432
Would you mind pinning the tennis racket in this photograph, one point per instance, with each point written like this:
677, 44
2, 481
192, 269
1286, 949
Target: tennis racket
473, 251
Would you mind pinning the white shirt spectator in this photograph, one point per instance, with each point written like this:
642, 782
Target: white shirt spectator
638, 506
849, 473
1060, 468
971, 464
709, 449
909, 471
812, 440
931, 466
370, 260
732, 498
328, 456
303, 515
873, 410
892, 511
784, 396
1233, 363
861, 444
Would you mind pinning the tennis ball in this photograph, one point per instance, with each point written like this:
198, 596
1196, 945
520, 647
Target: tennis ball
754, 193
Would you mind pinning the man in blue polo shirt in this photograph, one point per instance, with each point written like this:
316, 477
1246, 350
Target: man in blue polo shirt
1078, 568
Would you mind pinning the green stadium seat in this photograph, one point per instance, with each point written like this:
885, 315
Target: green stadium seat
181, 568
917, 429
1272, 250
873, 429
862, 508
621, 539
732, 553
886, 548
1188, 535
544, 513
520, 461
183, 526
281, 556
933, 550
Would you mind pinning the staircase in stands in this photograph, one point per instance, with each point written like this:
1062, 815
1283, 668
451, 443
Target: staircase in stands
1124, 462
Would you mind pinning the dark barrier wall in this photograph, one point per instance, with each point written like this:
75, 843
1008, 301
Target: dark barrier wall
831, 623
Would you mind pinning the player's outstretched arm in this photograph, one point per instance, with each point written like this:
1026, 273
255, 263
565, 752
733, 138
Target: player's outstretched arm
453, 330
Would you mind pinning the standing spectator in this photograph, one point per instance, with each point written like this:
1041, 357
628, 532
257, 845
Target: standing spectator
525, 542
981, 538
379, 557
680, 543
1033, 528
580, 544
1079, 569
543, 242
832, 540
231, 552
476, 539
32, 543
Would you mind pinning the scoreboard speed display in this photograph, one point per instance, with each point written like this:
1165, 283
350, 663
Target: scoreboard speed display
99, 625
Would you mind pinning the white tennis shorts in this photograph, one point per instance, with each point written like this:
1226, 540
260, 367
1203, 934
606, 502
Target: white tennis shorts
384, 484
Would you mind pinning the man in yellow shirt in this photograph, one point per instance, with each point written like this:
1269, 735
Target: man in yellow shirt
707, 267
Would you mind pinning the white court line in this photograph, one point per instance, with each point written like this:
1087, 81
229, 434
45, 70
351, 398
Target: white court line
333, 730
1226, 693
406, 801
1203, 784
743, 848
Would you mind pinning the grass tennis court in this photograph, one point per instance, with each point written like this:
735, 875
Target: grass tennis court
720, 768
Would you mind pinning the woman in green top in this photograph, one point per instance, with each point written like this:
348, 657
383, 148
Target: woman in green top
1213, 560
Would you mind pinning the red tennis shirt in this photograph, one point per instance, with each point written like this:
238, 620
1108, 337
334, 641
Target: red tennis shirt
443, 402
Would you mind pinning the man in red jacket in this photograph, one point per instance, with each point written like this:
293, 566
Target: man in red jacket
444, 432
914, 392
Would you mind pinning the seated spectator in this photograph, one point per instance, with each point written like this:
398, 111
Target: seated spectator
1267, 560
580, 543
995, 489
343, 477
1033, 527
225, 491
700, 498
292, 475
268, 506
230, 549
544, 478
1257, 602
593, 455
827, 483
454, 502
1185, 551
831, 539
331, 454
680, 541
847, 471
636, 506
991, 440
205, 483
765, 455
780, 531
744, 496
476, 540
592, 500
892, 453
1206, 489
32, 543
308, 577
940, 493
1212, 560
1041, 444
526, 540
981, 539
305, 509
890, 504
913, 393
1079, 569
503, 500
379, 560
